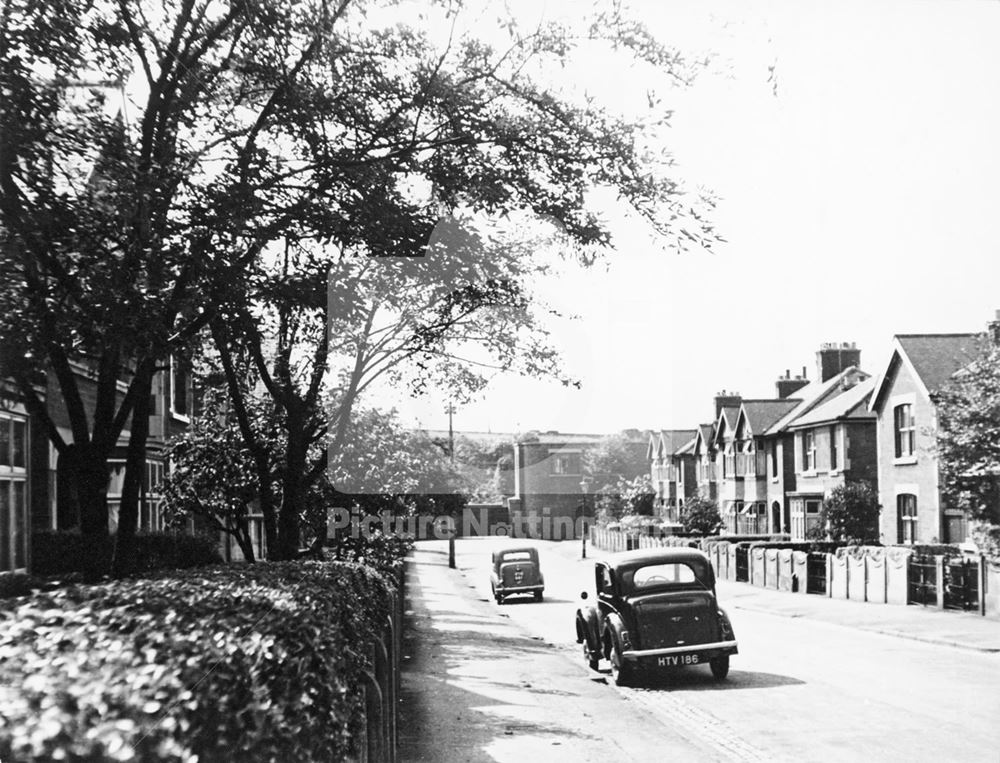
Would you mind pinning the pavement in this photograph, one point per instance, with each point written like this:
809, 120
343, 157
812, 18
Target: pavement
472, 682
475, 689
964, 630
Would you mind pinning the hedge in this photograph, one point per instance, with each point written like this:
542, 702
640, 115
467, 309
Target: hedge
249, 663
61, 552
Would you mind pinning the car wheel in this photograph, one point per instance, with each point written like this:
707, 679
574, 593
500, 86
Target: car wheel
538, 595
621, 671
720, 667
592, 662
499, 599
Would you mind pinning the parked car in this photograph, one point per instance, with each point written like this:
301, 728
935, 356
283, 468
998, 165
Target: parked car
516, 571
655, 609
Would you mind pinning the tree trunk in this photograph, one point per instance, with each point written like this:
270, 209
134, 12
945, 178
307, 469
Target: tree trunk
88, 485
124, 562
296, 452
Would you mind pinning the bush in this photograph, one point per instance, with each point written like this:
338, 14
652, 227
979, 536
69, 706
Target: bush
383, 552
250, 663
701, 515
18, 584
62, 552
850, 514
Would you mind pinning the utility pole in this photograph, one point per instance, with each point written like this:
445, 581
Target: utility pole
450, 410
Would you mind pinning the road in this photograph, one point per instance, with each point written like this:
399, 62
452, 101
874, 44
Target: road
799, 689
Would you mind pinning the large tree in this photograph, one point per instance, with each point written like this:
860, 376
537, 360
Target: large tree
968, 445
238, 165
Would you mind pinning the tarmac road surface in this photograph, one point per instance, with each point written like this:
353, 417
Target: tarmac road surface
809, 685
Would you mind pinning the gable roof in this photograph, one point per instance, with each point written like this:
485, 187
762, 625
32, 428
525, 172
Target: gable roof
932, 358
816, 393
852, 403
667, 441
761, 414
726, 420
703, 435
687, 447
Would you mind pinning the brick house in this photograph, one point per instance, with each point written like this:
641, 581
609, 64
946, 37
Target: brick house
703, 450
745, 465
833, 444
779, 442
908, 474
672, 470
548, 472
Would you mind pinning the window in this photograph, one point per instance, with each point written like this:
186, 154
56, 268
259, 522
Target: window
180, 388
809, 451
812, 506
774, 459
905, 430
658, 574
834, 455
566, 463
906, 512
13, 442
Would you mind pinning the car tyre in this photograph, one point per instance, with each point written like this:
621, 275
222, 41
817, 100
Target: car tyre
538, 595
592, 662
621, 671
720, 667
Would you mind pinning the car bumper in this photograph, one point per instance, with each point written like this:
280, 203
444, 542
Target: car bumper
705, 652
520, 589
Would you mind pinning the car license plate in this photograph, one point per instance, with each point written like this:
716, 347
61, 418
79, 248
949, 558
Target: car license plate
677, 659
518, 575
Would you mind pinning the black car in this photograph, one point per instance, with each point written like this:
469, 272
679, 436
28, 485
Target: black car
655, 609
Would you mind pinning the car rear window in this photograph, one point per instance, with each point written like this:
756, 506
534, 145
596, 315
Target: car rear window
518, 556
672, 573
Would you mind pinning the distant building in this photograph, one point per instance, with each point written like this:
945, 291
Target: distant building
549, 478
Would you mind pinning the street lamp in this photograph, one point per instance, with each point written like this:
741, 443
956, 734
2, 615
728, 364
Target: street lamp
584, 488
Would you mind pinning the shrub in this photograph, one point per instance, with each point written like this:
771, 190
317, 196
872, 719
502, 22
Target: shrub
383, 552
850, 513
62, 552
18, 584
701, 515
249, 663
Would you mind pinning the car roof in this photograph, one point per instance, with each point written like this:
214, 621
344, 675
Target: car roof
645, 556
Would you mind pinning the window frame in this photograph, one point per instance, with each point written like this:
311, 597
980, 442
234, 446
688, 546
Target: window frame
904, 429
907, 518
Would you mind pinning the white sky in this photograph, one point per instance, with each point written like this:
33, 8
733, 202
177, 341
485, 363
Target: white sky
859, 202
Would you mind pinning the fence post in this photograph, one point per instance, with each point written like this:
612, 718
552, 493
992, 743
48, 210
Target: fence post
939, 574
829, 575
981, 583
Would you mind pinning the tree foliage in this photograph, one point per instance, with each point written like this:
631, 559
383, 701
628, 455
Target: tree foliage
273, 172
850, 514
701, 515
968, 445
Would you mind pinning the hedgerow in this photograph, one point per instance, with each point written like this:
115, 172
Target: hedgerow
250, 663
59, 552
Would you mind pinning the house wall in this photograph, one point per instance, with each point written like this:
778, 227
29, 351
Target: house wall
542, 491
917, 476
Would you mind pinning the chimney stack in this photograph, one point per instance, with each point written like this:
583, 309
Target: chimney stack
993, 329
834, 357
786, 386
725, 399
